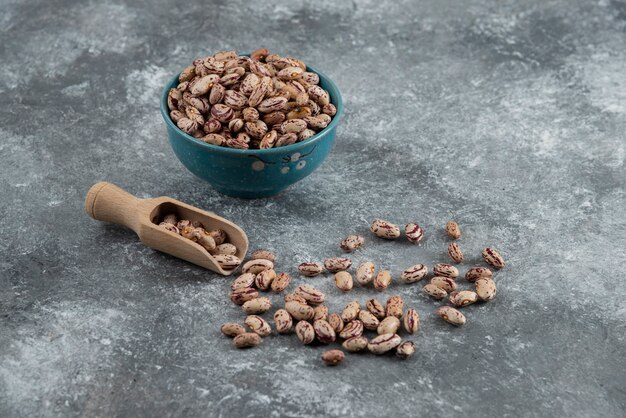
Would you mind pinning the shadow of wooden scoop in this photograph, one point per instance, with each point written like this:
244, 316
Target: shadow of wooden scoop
109, 203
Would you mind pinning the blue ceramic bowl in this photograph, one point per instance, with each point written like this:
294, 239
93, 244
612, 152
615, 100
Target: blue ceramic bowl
253, 173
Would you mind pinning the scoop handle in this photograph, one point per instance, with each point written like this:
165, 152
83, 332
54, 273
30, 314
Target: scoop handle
109, 203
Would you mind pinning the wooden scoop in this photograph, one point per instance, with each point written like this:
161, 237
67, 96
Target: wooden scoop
109, 203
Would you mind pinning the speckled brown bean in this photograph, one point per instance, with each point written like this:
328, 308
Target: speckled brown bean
315, 108
351, 243
411, 321
455, 253
259, 54
289, 73
332, 357
286, 139
370, 322
306, 134
336, 264
343, 281
493, 257
336, 322
310, 294
389, 325
183, 223
250, 114
329, 109
222, 113
246, 340
434, 292
176, 115
355, 344
256, 129
246, 280
405, 350
225, 55
263, 255
318, 122
395, 307
231, 329
225, 249
413, 232
292, 297
273, 104
414, 273
217, 94
212, 126
257, 306
269, 140
214, 139
384, 343
259, 69
202, 237
305, 332
258, 325
485, 289
310, 78
301, 99
260, 91
236, 70
187, 125
188, 232
235, 125
174, 99
244, 294
219, 236
310, 269
235, 100
350, 311
382, 280
462, 298
384, 229
274, 118
264, 279
227, 262
300, 311
321, 312
282, 321
249, 83
203, 84
376, 308
187, 74
476, 273
446, 270
324, 331
199, 103
280, 282
293, 126
445, 283
365, 273
170, 227
453, 230
238, 143
352, 329
256, 266
451, 315
228, 80
170, 218
213, 65
319, 95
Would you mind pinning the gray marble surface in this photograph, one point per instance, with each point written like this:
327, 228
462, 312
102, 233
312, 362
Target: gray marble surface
509, 116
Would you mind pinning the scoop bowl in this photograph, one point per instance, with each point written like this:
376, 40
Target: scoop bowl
253, 173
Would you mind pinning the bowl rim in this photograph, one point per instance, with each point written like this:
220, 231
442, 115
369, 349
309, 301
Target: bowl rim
333, 123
